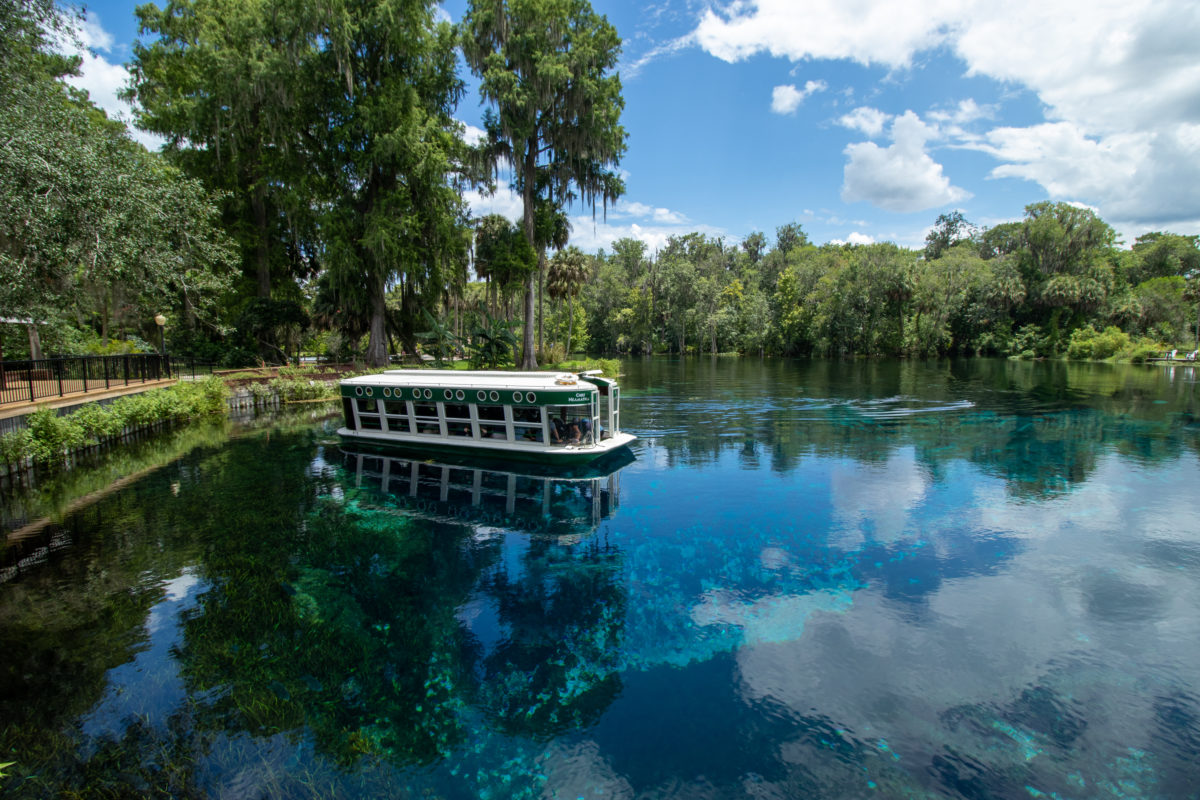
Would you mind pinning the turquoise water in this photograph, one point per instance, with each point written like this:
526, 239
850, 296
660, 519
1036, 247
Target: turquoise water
812, 579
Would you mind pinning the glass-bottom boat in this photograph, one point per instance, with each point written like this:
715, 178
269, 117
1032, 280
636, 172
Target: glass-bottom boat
553, 418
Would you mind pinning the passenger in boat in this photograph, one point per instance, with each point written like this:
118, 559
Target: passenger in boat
564, 431
585, 427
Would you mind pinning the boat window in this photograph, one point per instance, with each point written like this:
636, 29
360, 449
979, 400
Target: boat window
493, 413
529, 433
366, 406
527, 414
427, 421
459, 428
395, 407
493, 430
457, 411
570, 424
369, 422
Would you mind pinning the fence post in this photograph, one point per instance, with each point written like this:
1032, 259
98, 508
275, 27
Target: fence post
104, 361
29, 377
58, 371
126, 359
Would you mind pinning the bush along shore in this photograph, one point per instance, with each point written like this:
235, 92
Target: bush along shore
50, 439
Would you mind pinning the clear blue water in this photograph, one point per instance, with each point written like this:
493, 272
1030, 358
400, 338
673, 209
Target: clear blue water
813, 579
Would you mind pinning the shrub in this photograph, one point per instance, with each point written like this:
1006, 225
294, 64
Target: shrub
291, 391
48, 436
15, 446
1140, 352
1087, 343
51, 436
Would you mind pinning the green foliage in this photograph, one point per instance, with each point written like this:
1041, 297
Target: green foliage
548, 68
438, 340
1087, 343
90, 222
491, 342
49, 437
1143, 351
610, 366
292, 390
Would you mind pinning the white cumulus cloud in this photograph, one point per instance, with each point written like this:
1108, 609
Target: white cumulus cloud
787, 98
855, 238
1118, 80
901, 177
101, 78
866, 119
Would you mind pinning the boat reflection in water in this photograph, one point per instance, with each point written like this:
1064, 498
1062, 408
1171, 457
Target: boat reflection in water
529, 498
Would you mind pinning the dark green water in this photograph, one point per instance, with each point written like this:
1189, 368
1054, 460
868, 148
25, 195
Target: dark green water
968, 579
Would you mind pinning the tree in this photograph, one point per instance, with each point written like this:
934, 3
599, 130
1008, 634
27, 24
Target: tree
86, 214
948, 230
385, 148
503, 256
790, 236
545, 66
218, 83
569, 271
755, 245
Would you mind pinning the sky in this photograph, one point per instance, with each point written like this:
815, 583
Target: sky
864, 120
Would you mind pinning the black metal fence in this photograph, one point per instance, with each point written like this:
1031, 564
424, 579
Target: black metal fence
188, 367
29, 380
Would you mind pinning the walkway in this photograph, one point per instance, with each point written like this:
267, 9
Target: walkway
19, 409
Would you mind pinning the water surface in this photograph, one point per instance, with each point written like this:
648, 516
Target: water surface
814, 579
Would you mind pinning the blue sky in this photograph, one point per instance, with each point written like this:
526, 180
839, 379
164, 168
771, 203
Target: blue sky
865, 120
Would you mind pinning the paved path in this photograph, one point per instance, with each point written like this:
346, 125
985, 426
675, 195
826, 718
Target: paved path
8, 410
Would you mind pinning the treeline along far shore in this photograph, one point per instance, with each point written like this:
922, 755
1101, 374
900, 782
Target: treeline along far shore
309, 197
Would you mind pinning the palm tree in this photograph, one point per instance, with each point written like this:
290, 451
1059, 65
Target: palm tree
568, 271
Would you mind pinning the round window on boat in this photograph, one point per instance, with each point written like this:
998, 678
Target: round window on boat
518, 397
531, 397
429, 394
387, 392
358, 390
459, 395
493, 395
481, 395
370, 391
447, 394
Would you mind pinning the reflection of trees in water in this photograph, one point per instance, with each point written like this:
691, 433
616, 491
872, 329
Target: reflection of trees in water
316, 616
343, 617
564, 611
1042, 427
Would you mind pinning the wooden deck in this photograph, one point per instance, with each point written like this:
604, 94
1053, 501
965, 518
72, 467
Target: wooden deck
78, 393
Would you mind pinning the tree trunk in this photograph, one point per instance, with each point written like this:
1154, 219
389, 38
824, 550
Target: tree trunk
35, 342
541, 302
528, 356
570, 321
529, 179
262, 256
377, 346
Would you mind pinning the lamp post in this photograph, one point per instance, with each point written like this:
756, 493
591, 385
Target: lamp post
161, 321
